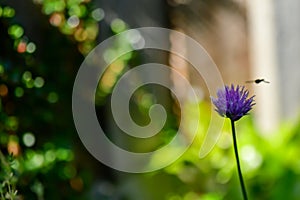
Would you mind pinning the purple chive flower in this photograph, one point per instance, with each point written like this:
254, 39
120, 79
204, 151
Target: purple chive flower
233, 103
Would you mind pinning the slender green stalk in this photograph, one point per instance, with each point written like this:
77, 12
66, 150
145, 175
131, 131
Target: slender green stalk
238, 162
10, 192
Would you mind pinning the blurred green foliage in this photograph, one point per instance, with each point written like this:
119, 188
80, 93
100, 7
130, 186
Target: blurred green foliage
35, 90
41, 157
269, 164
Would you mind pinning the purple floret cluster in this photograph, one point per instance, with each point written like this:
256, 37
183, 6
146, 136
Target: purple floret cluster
233, 102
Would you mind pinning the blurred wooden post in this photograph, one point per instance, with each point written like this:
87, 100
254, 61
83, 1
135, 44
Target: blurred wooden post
264, 63
288, 54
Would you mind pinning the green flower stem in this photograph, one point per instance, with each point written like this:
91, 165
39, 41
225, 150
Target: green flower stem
238, 162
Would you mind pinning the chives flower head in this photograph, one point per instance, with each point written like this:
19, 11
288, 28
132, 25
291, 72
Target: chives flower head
233, 103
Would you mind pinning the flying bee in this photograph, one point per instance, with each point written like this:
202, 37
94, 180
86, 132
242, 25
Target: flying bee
257, 81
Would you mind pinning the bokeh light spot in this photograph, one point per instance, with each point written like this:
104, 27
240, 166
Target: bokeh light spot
118, 25
92, 31
15, 31
109, 55
74, 10
30, 47
52, 97
27, 76
19, 92
76, 184
98, 14
8, 12
251, 156
69, 171
85, 47
13, 147
54, 6
135, 39
64, 154
107, 82
78, 10
37, 160
147, 100
21, 47
39, 82
12, 123
28, 139
30, 83
73, 21
56, 19
117, 66
50, 156
66, 29
3, 90
80, 35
